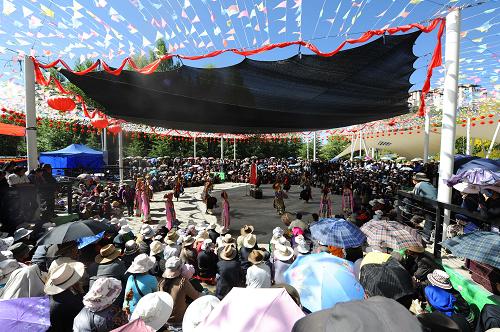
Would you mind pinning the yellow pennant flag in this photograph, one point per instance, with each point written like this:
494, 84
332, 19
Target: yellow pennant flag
47, 11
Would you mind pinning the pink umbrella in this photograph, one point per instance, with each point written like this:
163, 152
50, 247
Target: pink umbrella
137, 325
253, 310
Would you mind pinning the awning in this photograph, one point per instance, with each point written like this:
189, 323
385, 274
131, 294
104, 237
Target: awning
302, 93
11, 130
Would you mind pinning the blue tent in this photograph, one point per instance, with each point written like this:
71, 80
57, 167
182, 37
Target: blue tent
73, 156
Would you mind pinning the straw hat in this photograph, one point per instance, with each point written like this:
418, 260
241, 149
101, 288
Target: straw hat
107, 254
63, 277
228, 253
115, 204
173, 267
440, 279
283, 253
171, 237
131, 247
156, 247
154, 309
227, 239
221, 230
142, 263
417, 249
249, 241
6, 268
421, 177
256, 257
187, 241
125, 229
246, 229
202, 235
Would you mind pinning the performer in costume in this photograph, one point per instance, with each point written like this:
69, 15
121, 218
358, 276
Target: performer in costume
286, 182
147, 195
279, 195
347, 201
139, 188
305, 183
225, 210
178, 187
253, 173
170, 210
325, 205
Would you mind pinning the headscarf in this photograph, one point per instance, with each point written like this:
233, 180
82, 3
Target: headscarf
102, 294
440, 299
25, 282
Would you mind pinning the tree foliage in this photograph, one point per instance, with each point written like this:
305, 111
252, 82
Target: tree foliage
333, 147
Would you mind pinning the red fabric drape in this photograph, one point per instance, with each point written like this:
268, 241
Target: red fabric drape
150, 68
11, 130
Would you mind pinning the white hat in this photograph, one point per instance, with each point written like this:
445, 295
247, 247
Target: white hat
440, 279
154, 309
249, 241
206, 244
147, 232
21, 233
173, 267
125, 229
63, 277
302, 246
282, 252
6, 268
114, 220
142, 263
379, 213
221, 229
155, 247
278, 232
197, 311
102, 294
381, 201
6, 243
372, 202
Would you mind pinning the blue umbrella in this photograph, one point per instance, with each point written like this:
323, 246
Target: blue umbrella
25, 314
86, 240
479, 246
338, 233
323, 280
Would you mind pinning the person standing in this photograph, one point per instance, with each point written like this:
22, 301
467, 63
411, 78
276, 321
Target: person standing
325, 206
424, 188
225, 210
170, 210
147, 195
347, 201
279, 195
127, 195
139, 188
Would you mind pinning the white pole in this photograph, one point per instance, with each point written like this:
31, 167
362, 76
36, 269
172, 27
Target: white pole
467, 142
234, 148
427, 129
120, 155
450, 96
314, 146
104, 134
493, 141
30, 109
194, 146
360, 145
366, 149
222, 148
353, 143
307, 147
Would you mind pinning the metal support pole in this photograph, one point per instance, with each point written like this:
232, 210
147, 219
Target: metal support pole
104, 134
194, 146
353, 143
493, 141
367, 154
120, 156
450, 96
427, 127
314, 146
360, 145
234, 148
30, 109
222, 148
307, 147
467, 142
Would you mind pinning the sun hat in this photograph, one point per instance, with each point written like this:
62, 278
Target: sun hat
131, 247
282, 252
440, 279
6, 243
173, 267
421, 177
246, 229
249, 241
20, 249
197, 311
147, 232
202, 235
63, 277
171, 237
221, 229
256, 257
107, 254
206, 244
154, 309
155, 247
125, 229
228, 253
277, 233
102, 293
417, 249
187, 241
282, 240
6, 268
379, 213
158, 238
372, 202
21, 233
228, 239
142, 263
302, 246
115, 204
381, 201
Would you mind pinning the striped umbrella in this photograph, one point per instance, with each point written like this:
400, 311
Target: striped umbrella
337, 232
479, 246
390, 234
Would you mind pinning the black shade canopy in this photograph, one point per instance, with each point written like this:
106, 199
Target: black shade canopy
307, 92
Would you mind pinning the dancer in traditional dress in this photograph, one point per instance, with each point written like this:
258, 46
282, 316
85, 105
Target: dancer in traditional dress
147, 195
178, 187
305, 183
286, 182
325, 206
170, 210
207, 189
279, 195
225, 210
347, 201
139, 188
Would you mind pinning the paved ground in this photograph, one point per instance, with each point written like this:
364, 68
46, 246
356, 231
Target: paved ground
244, 209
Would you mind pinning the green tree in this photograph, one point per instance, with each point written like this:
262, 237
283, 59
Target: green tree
333, 147
161, 147
135, 147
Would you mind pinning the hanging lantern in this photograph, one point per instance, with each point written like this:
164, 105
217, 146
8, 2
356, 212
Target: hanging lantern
99, 121
115, 128
61, 103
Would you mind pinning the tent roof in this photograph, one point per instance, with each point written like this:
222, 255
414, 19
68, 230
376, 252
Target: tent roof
74, 149
11, 130
306, 92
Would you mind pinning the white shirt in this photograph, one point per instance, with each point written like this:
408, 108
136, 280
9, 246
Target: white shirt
14, 179
259, 276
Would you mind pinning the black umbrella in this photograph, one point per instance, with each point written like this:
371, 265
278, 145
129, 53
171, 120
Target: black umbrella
389, 279
72, 231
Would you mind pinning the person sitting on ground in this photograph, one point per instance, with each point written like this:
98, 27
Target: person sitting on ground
207, 260
229, 271
298, 222
244, 231
259, 274
283, 257
171, 248
140, 282
107, 264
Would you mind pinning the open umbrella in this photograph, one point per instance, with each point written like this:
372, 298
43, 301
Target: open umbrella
479, 246
338, 233
478, 176
72, 231
417, 159
137, 325
25, 314
388, 279
253, 310
323, 280
390, 234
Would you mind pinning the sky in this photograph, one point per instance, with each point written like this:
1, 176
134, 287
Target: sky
114, 29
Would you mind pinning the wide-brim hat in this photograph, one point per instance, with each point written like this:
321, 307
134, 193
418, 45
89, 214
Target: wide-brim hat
107, 254
5, 243
21, 233
221, 230
156, 247
171, 237
131, 247
246, 229
417, 249
211, 226
421, 177
249, 241
6, 268
228, 253
282, 252
63, 277
142, 263
440, 279
147, 232
125, 229
303, 248
188, 240
173, 267
256, 257
154, 309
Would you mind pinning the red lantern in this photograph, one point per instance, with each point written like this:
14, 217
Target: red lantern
114, 128
61, 103
99, 121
